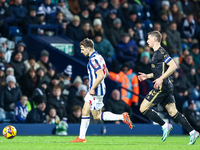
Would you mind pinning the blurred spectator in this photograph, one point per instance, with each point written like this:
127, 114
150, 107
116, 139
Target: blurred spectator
115, 105
4, 17
157, 26
62, 24
133, 85
115, 4
198, 72
18, 65
21, 110
8, 53
52, 117
188, 28
18, 11
132, 19
196, 55
91, 9
75, 116
192, 115
108, 21
174, 38
98, 27
50, 73
116, 32
163, 20
85, 16
187, 7
31, 62
88, 30
2, 75
40, 75
29, 82
86, 81
37, 115
9, 95
74, 88
103, 47
144, 65
74, 30
195, 7
183, 55
103, 8
49, 9
57, 102
78, 99
44, 60
21, 47
166, 6
182, 89
40, 90
30, 19
74, 6
187, 64
127, 50
125, 7
140, 33
132, 34
2, 56
68, 16
176, 14
10, 71
194, 81
164, 42
65, 76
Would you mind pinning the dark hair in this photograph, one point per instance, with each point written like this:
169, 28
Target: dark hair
76, 108
156, 34
87, 43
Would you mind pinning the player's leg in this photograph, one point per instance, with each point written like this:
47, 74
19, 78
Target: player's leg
171, 108
155, 96
150, 113
85, 121
108, 116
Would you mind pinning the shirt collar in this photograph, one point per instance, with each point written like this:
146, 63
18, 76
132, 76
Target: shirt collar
10, 88
92, 55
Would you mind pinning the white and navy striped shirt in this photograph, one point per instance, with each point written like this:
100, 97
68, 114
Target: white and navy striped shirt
95, 63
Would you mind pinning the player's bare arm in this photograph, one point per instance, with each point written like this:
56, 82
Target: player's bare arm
144, 76
98, 80
172, 67
107, 72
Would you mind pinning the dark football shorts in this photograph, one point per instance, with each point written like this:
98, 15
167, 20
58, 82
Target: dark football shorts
159, 96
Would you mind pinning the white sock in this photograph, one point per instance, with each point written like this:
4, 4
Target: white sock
85, 121
165, 125
192, 132
108, 116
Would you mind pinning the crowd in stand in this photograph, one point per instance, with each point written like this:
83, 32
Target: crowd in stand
30, 88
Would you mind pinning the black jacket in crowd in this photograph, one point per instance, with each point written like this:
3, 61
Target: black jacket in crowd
9, 96
59, 105
36, 116
193, 117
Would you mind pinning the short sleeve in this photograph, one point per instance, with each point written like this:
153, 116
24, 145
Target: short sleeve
95, 64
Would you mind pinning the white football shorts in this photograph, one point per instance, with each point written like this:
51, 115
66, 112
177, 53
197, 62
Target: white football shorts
96, 102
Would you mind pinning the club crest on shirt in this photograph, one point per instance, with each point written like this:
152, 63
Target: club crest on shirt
152, 65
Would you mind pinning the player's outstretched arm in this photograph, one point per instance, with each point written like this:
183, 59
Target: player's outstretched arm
98, 80
144, 76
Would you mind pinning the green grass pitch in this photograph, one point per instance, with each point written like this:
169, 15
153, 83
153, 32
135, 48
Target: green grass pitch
98, 143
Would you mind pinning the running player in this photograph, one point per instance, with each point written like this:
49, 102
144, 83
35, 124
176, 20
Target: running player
162, 67
97, 71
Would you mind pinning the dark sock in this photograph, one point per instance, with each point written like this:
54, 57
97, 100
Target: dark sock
183, 121
151, 114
